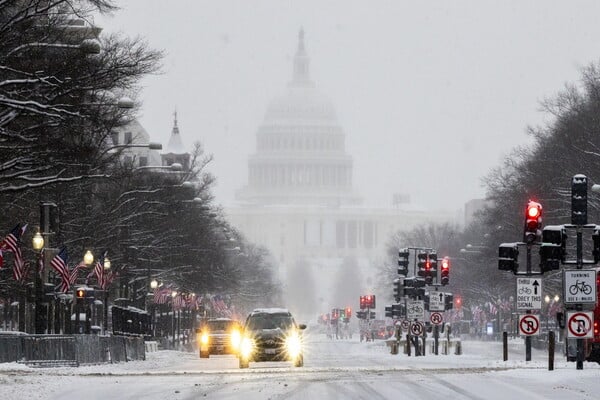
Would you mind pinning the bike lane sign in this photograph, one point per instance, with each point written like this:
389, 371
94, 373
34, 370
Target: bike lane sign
529, 294
579, 324
580, 286
415, 310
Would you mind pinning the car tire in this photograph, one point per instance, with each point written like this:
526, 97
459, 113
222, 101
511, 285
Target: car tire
204, 354
244, 363
299, 362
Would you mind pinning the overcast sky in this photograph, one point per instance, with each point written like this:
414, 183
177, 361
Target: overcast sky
431, 94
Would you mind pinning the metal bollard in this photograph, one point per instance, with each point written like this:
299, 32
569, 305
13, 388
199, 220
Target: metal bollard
458, 348
505, 346
551, 343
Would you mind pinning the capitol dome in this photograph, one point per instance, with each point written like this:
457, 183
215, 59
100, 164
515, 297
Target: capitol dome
300, 153
301, 104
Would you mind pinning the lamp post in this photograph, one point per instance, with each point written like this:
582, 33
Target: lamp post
173, 295
88, 260
547, 301
106, 267
38, 246
153, 286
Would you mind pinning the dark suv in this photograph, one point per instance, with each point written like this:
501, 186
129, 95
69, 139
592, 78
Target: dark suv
271, 334
219, 336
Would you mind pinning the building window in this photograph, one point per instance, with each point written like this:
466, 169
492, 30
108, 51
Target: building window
352, 234
128, 138
115, 138
340, 234
143, 161
368, 234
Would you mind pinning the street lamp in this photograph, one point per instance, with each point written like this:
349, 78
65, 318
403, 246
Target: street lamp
38, 245
173, 295
106, 267
88, 258
153, 284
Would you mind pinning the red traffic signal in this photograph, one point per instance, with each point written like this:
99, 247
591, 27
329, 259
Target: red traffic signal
348, 312
533, 221
445, 277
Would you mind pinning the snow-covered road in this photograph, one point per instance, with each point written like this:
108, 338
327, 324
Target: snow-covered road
333, 370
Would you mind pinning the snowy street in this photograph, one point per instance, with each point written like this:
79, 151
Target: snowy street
333, 369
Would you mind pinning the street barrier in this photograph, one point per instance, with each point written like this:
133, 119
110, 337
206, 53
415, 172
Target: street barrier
70, 350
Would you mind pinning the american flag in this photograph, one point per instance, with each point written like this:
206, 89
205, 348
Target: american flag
178, 302
161, 295
12, 243
75, 272
59, 264
22, 274
101, 277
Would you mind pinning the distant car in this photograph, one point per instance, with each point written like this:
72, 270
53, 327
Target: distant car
219, 336
271, 334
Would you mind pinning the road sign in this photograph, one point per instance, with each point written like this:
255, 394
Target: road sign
579, 324
437, 301
405, 325
415, 309
436, 318
529, 325
580, 286
529, 294
416, 329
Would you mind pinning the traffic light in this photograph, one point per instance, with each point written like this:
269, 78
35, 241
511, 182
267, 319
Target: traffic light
363, 302
553, 247
423, 264
433, 263
579, 200
372, 315
458, 302
398, 310
370, 301
403, 262
508, 254
596, 241
445, 274
80, 293
449, 301
533, 222
398, 285
388, 311
348, 312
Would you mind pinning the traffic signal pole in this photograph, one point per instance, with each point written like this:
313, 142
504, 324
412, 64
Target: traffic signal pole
579, 306
528, 337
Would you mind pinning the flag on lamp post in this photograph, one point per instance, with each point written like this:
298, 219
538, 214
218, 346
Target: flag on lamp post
59, 264
12, 243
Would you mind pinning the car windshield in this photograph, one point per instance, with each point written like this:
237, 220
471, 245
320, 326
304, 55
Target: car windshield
270, 321
214, 326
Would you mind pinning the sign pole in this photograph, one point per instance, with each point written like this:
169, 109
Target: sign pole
528, 338
579, 306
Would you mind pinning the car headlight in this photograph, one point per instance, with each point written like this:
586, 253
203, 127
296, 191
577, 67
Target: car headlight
293, 345
236, 339
246, 347
204, 338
